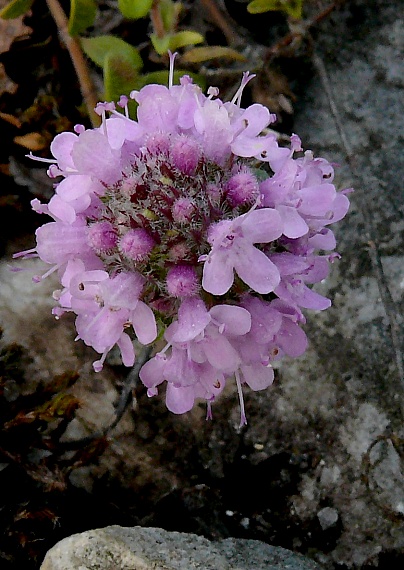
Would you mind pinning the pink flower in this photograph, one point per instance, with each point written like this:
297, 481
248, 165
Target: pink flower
202, 354
175, 215
233, 250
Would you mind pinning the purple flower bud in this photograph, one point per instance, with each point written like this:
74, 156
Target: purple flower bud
158, 143
214, 192
136, 244
242, 188
182, 281
182, 210
102, 236
185, 154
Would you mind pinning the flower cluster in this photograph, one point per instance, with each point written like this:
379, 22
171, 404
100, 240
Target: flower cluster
190, 223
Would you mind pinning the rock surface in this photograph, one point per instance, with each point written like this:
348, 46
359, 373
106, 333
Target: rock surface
118, 548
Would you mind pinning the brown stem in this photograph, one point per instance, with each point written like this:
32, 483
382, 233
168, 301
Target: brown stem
157, 21
221, 22
305, 26
76, 54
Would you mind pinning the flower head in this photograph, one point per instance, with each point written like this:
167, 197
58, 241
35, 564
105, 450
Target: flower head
191, 217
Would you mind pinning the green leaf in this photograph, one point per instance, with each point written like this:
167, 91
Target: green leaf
120, 76
15, 8
291, 7
175, 41
196, 55
102, 47
169, 12
134, 9
161, 45
82, 16
185, 38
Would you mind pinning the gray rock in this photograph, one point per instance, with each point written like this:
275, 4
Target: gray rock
119, 548
327, 517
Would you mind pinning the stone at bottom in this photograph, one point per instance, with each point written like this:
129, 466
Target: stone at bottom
138, 548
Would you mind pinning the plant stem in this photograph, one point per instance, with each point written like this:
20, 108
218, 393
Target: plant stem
156, 20
123, 403
222, 22
87, 88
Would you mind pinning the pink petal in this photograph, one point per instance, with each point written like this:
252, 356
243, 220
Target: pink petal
157, 109
317, 200
152, 372
179, 400
115, 132
294, 225
237, 320
127, 351
255, 269
220, 353
261, 226
246, 147
291, 338
85, 285
253, 121
277, 188
301, 295
123, 290
257, 376
218, 273
59, 242
213, 124
318, 271
193, 318
61, 210
340, 207
322, 240
313, 300
180, 370
75, 186
101, 330
61, 148
289, 264
144, 323
93, 156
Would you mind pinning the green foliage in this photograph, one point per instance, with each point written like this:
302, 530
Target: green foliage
165, 36
15, 8
120, 61
169, 12
206, 53
173, 42
82, 16
161, 45
119, 76
100, 48
292, 8
134, 9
